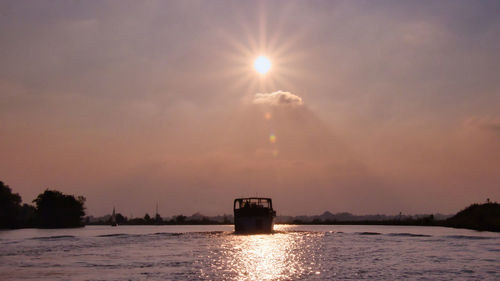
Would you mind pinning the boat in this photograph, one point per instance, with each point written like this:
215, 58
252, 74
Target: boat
113, 218
253, 215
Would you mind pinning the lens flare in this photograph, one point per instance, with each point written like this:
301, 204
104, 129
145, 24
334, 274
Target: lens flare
272, 138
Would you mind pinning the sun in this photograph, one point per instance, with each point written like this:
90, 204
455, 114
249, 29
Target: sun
262, 64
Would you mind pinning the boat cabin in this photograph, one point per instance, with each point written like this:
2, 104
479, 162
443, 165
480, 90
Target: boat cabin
241, 203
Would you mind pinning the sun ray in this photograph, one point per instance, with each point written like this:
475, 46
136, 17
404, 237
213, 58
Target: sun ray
263, 37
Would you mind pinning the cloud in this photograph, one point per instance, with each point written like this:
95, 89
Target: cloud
490, 124
278, 98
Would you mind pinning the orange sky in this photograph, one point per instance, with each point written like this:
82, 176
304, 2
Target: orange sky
372, 107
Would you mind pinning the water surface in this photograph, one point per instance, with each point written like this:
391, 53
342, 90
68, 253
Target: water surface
334, 252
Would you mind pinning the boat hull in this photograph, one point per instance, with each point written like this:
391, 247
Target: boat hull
254, 224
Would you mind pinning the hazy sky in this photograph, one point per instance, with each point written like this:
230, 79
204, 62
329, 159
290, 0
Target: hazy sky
369, 107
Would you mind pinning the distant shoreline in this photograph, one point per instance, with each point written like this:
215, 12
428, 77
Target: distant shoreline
480, 217
378, 223
384, 223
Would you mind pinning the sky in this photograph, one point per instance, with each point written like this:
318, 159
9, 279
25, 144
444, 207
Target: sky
369, 106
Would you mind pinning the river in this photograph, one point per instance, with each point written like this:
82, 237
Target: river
213, 252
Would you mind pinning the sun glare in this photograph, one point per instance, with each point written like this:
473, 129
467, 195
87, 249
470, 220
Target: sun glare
262, 64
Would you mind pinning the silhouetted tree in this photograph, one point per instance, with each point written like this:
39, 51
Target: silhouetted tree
180, 219
158, 219
120, 219
478, 216
147, 218
10, 205
12, 214
27, 216
55, 210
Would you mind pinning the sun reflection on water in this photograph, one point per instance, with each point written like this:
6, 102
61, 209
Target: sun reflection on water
280, 256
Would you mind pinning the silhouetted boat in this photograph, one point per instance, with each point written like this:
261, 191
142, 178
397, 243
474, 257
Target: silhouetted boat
253, 215
113, 218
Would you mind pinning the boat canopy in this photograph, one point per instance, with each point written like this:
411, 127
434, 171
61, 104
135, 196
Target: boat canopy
253, 202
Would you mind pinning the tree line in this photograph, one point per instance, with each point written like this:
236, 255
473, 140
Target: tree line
158, 220
51, 209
